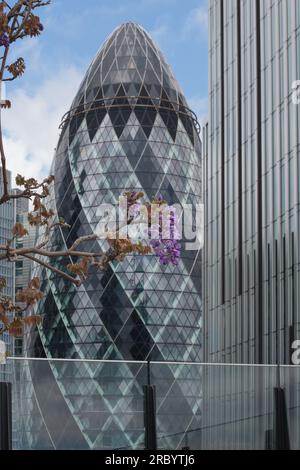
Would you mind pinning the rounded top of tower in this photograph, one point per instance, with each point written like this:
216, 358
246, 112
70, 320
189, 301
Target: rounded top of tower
129, 64
132, 23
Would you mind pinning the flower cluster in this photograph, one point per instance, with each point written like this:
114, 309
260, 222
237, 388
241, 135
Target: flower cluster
4, 40
4, 27
168, 250
33, 26
18, 25
161, 230
17, 68
12, 316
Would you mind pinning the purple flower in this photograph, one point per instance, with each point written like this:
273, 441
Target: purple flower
134, 210
4, 40
41, 27
168, 251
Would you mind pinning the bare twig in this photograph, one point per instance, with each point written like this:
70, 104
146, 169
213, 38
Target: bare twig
66, 276
5, 196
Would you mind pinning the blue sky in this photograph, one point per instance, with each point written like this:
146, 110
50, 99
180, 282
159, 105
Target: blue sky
56, 62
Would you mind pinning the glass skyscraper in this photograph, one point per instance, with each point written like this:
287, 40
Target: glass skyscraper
129, 128
7, 269
252, 183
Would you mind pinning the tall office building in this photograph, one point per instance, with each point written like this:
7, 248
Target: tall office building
7, 269
129, 128
24, 266
16, 274
252, 183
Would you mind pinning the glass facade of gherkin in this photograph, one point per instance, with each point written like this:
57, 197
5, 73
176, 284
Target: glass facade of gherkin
129, 128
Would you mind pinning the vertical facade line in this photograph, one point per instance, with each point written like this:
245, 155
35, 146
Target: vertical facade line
259, 264
239, 148
222, 132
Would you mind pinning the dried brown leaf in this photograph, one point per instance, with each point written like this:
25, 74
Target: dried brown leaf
19, 230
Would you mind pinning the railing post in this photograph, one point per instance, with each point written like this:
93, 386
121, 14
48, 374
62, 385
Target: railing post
269, 439
281, 428
150, 414
5, 416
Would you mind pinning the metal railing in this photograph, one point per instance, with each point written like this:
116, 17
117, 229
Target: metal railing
132, 103
115, 404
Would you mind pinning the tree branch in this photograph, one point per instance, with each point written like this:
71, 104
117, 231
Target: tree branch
3, 158
3, 167
12, 254
82, 239
26, 194
66, 276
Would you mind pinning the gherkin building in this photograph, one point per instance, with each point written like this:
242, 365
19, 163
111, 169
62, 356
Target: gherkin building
128, 128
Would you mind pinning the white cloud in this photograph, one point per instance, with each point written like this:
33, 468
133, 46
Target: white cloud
196, 22
31, 126
31, 50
